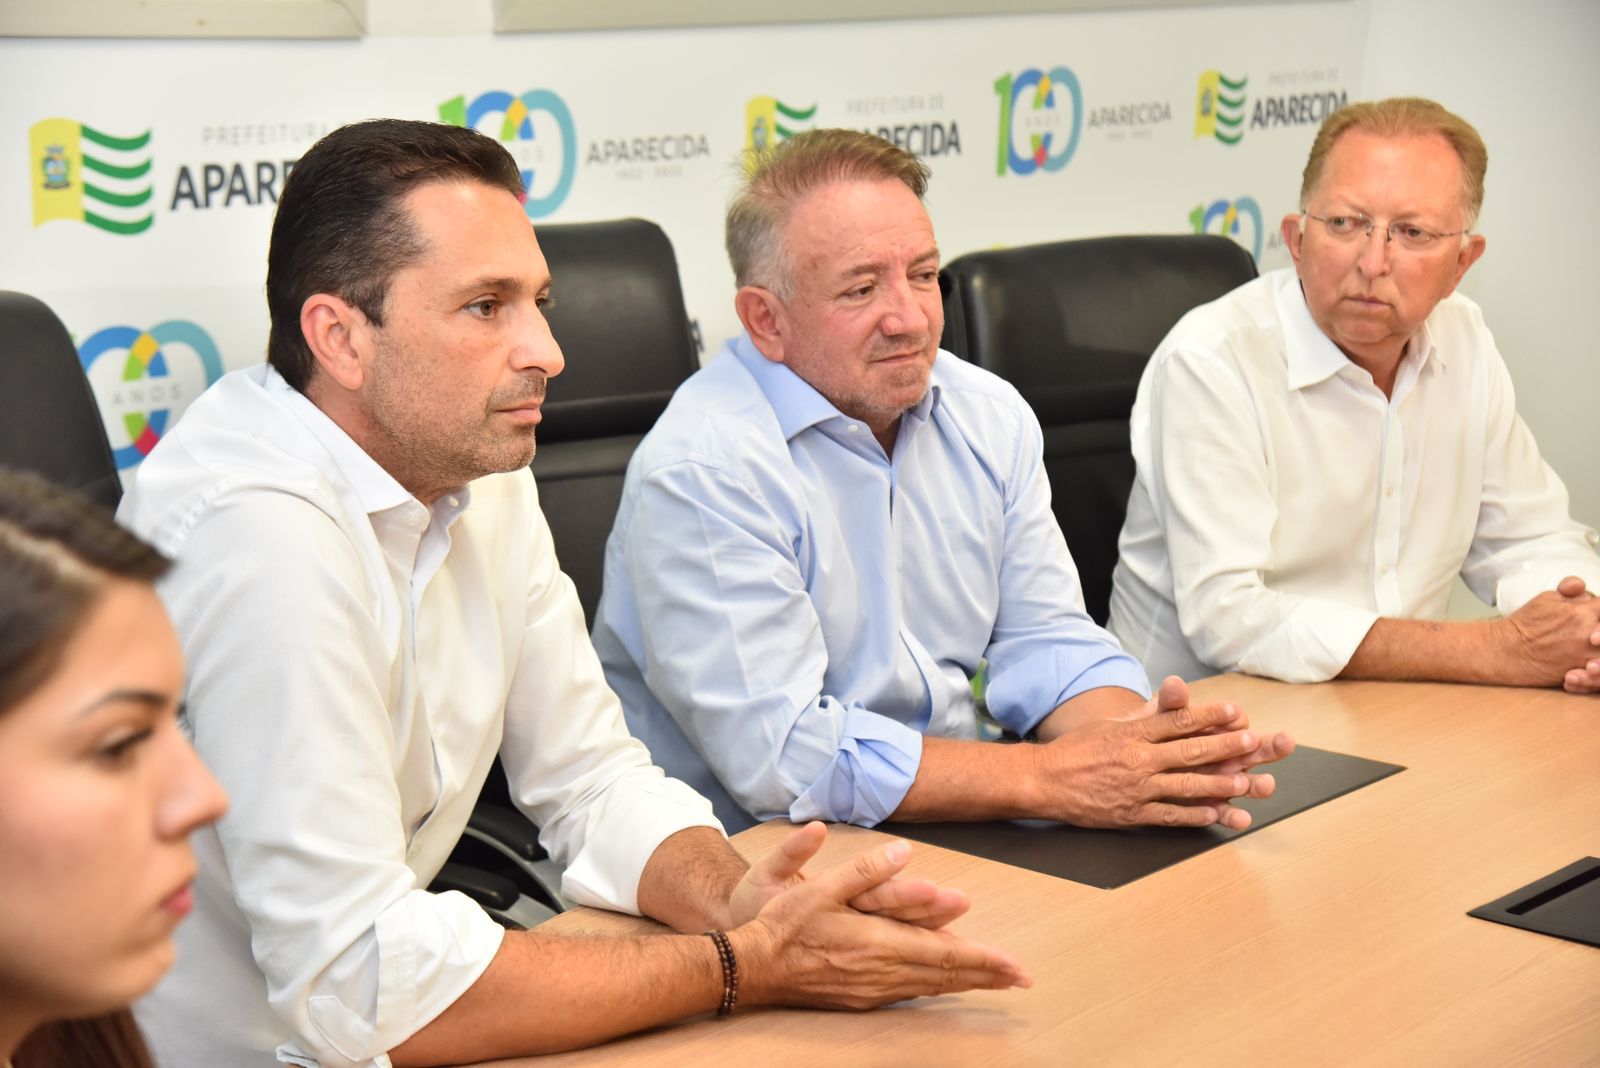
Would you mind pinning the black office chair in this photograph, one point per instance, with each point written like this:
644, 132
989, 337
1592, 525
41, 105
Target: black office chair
1071, 324
49, 421
619, 317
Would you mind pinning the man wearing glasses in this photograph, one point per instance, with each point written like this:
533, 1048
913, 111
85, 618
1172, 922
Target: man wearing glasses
1322, 451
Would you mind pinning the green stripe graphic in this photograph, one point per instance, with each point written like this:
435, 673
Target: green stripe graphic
119, 144
138, 170
116, 200
1235, 86
795, 113
138, 226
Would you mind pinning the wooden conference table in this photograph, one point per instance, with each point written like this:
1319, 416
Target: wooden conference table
1338, 935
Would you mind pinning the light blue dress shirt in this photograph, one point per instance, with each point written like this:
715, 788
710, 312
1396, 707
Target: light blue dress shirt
787, 610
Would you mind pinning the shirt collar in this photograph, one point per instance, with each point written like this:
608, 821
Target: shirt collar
796, 402
1312, 356
1425, 349
375, 488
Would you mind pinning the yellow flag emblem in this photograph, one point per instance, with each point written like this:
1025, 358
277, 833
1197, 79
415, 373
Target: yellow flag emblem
1219, 107
82, 175
768, 120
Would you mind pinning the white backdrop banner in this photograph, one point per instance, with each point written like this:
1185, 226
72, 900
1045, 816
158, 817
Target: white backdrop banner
138, 179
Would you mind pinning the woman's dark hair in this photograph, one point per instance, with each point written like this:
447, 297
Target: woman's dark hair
342, 226
110, 1041
57, 552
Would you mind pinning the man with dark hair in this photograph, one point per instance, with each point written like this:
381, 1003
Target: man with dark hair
1322, 451
371, 608
356, 232
834, 524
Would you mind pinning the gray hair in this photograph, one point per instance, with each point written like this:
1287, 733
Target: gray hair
782, 176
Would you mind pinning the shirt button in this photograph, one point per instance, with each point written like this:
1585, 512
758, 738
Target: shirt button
1384, 570
1389, 492
456, 503
852, 427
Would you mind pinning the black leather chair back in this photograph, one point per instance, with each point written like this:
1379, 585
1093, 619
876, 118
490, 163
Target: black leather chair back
619, 317
1071, 324
49, 421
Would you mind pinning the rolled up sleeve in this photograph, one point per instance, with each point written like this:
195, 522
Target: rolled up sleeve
865, 775
1525, 541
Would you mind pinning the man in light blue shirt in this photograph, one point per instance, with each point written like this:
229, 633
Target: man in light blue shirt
834, 523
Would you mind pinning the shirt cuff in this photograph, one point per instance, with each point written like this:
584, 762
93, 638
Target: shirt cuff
1313, 644
1024, 693
430, 949
1526, 582
872, 768
623, 831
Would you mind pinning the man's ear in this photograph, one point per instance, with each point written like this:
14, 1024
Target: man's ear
1469, 254
764, 316
339, 336
1292, 235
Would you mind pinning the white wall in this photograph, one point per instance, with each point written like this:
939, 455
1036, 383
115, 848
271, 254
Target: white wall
1526, 75
167, 233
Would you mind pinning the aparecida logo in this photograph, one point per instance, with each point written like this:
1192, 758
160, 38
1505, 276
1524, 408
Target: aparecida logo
146, 397
81, 174
1043, 113
549, 161
1228, 218
1219, 107
768, 120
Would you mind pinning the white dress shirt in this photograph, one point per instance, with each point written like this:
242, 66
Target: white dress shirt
355, 660
1283, 504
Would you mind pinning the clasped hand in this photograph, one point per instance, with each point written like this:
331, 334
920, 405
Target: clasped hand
1167, 763
1554, 639
856, 935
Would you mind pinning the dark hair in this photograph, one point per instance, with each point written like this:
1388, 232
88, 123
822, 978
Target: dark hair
342, 228
110, 1041
57, 552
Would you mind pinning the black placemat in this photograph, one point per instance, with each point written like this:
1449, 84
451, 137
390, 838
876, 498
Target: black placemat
1565, 904
1306, 778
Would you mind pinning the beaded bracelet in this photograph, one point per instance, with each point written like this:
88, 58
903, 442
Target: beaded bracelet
730, 971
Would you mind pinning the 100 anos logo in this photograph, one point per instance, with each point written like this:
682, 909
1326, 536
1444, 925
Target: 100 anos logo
537, 129
1041, 117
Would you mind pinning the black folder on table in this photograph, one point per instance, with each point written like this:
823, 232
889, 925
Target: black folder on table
1565, 904
1306, 778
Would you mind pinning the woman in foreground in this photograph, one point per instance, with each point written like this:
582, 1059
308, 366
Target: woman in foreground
98, 787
